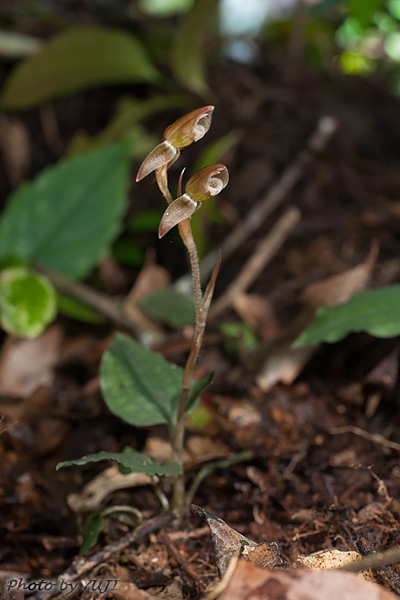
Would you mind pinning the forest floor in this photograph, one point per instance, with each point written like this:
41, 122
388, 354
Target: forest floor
322, 426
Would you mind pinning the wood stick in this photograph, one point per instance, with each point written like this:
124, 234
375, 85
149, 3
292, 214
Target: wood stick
325, 128
81, 566
263, 254
100, 302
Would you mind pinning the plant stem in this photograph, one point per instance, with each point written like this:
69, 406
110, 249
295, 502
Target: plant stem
178, 433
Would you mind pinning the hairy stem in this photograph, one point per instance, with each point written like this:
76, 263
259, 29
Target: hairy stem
178, 433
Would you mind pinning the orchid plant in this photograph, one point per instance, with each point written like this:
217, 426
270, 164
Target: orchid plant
207, 182
138, 385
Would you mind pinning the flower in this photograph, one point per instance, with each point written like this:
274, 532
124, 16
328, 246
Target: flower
207, 182
187, 129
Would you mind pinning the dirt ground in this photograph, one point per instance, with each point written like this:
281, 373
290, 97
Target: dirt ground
324, 433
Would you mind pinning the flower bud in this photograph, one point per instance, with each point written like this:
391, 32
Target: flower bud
179, 210
163, 154
189, 128
207, 182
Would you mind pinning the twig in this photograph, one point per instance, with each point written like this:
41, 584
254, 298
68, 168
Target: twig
264, 252
101, 303
376, 438
181, 560
80, 566
325, 128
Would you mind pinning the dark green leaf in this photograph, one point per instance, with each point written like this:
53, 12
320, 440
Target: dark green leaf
77, 59
197, 389
146, 221
72, 308
224, 463
68, 216
128, 253
28, 302
187, 53
132, 461
138, 385
364, 10
170, 307
90, 532
374, 311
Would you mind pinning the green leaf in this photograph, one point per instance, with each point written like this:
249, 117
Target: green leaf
132, 462
164, 8
196, 390
374, 311
147, 221
128, 253
28, 302
224, 463
77, 59
72, 308
138, 385
67, 217
364, 10
170, 307
187, 54
91, 531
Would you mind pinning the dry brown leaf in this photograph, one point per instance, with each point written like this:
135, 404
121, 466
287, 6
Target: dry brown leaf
250, 582
151, 278
27, 364
340, 288
107, 482
333, 559
229, 543
258, 313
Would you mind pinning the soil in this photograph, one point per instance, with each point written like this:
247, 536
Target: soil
325, 467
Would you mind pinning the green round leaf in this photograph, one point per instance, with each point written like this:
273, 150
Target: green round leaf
28, 302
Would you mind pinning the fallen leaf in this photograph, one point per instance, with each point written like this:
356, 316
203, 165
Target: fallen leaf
27, 364
333, 559
108, 481
258, 313
151, 278
250, 582
229, 543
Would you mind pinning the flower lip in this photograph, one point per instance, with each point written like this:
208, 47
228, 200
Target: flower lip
189, 128
207, 182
